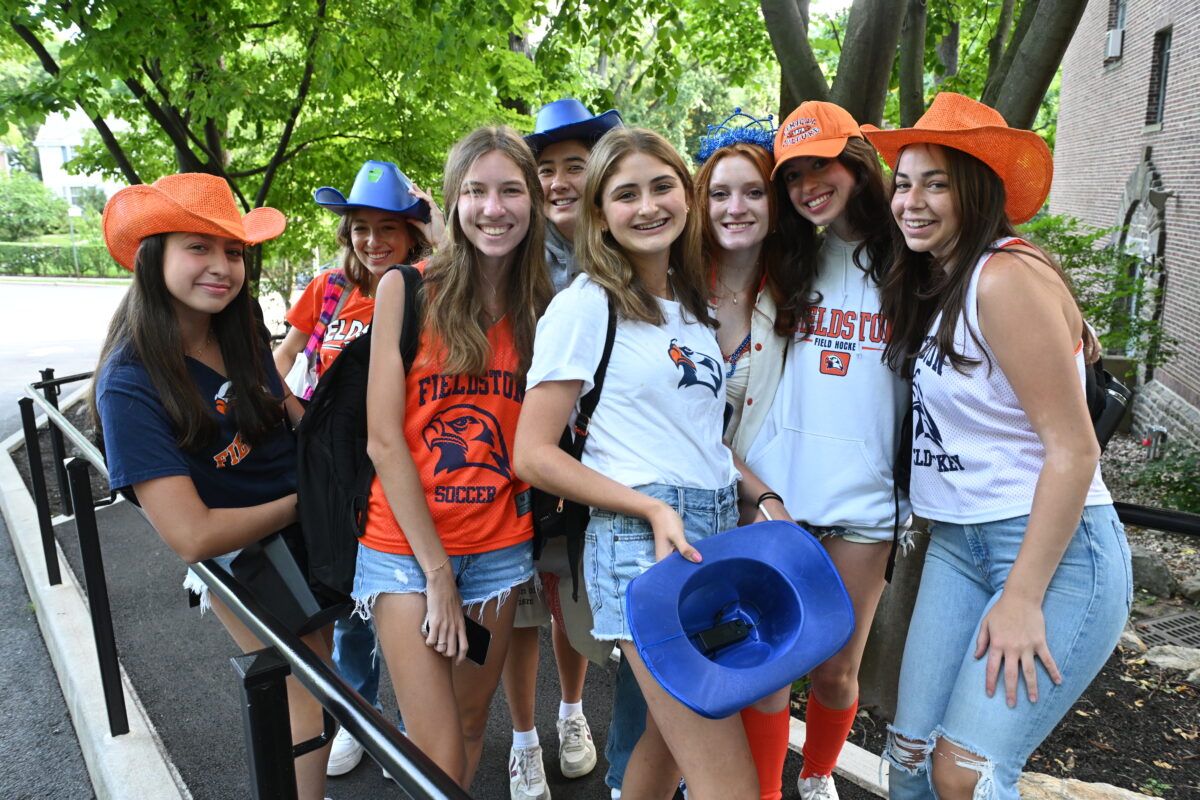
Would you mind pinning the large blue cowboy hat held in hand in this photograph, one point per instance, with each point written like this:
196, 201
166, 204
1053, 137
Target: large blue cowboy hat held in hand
380, 185
763, 607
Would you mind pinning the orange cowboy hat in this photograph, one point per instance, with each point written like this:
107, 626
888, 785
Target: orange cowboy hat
191, 202
1019, 157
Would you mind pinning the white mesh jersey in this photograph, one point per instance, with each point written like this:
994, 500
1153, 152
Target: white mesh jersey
975, 456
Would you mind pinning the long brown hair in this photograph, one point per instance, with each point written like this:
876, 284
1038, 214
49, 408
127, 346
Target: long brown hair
453, 309
868, 214
772, 260
918, 286
356, 271
605, 262
145, 325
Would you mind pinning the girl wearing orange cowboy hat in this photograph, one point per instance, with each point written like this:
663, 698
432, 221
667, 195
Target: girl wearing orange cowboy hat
828, 442
188, 399
1026, 585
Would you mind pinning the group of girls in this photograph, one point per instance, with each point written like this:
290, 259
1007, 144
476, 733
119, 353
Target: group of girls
779, 290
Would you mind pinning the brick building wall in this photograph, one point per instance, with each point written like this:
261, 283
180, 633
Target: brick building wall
1115, 166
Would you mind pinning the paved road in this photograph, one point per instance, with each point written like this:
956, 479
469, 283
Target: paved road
59, 324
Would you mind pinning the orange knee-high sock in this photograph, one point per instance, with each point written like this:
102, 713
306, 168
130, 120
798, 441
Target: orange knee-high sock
768, 737
826, 730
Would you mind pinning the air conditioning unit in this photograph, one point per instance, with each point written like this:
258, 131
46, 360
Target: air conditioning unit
1114, 42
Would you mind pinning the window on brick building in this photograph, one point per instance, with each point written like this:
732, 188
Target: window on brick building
1114, 41
1159, 65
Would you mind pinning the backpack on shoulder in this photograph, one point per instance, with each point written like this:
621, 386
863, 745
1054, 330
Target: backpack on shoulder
334, 472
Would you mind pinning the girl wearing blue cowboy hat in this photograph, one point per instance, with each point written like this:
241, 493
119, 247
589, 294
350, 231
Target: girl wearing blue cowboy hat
386, 220
564, 133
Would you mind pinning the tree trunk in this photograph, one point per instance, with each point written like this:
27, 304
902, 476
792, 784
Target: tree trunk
1018, 96
879, 675
912, 64
1000, 37
868, 52
801, 76
947, 52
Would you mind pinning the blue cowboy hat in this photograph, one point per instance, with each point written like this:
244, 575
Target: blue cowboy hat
380, 185
763, 607
569, 119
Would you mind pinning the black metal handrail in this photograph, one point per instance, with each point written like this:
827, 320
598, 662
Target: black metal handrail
262, 673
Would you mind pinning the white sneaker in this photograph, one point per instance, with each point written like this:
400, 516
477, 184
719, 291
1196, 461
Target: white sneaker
817, 787
344, 755
526, 775
576, 750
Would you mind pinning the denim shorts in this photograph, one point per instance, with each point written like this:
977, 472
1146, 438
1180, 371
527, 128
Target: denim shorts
618, 547
942, 691
480, 576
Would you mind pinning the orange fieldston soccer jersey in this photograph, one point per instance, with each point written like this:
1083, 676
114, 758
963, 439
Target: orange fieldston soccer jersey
460, 430
353, 320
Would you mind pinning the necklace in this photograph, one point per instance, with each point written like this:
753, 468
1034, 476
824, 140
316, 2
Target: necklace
208, 337
493, 317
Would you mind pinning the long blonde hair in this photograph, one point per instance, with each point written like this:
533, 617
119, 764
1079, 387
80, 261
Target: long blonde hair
605, 262
453, 308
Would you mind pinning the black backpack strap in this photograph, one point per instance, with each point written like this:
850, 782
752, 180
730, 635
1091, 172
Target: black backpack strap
587, 406
410, 327
901, 478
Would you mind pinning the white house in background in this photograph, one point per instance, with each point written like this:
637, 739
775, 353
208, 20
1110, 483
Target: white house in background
56, 143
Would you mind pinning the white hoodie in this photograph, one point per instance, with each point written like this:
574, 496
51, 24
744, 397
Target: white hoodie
829, 442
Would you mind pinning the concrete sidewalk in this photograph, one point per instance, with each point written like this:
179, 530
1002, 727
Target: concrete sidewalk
187, 730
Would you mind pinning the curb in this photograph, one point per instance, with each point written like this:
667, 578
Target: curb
135, 764
860, 767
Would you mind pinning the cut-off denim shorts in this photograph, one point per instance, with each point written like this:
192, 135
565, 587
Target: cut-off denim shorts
942, 690
618, 547
481, 577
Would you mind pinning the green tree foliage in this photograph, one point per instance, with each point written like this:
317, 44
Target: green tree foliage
28, 209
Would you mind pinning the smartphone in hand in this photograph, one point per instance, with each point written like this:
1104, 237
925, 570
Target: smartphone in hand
479, 639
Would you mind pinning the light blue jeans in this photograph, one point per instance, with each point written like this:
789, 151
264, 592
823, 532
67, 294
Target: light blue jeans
942, 690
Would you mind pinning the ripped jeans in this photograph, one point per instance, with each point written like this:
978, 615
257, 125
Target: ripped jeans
942, 690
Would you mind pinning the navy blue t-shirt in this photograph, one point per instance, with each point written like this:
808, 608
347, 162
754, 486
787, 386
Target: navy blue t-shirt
139, 438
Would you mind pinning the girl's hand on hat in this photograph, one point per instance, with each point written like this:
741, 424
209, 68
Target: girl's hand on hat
1013, 634
435, 229
669, 535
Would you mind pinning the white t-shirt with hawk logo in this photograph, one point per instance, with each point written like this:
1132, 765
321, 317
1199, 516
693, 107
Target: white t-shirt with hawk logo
662, 407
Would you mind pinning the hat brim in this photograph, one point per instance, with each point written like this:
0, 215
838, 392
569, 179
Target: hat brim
1019, 157
822, 148
588, 130
335, 201
135, 212
773, 575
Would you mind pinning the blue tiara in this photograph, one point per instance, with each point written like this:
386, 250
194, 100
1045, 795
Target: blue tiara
756, 131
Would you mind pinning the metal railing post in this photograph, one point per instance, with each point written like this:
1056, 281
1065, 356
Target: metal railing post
37, 477
97, 595
56, 443
267, 724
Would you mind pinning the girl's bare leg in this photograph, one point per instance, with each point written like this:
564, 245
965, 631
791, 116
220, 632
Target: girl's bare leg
474, 685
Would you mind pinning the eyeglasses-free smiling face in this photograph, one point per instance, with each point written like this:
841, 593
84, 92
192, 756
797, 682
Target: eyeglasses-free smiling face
380, 238
561, 167
644, 206
923, 202
738, 206
819, 189
202, 273
494, 206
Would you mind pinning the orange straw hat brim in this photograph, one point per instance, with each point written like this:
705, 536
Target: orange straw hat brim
1019, 157
192, 203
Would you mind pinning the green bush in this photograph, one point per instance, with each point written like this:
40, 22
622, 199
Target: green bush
28, 208
18, 258
1176, 474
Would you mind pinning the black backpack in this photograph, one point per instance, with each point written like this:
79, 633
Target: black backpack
334, 472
